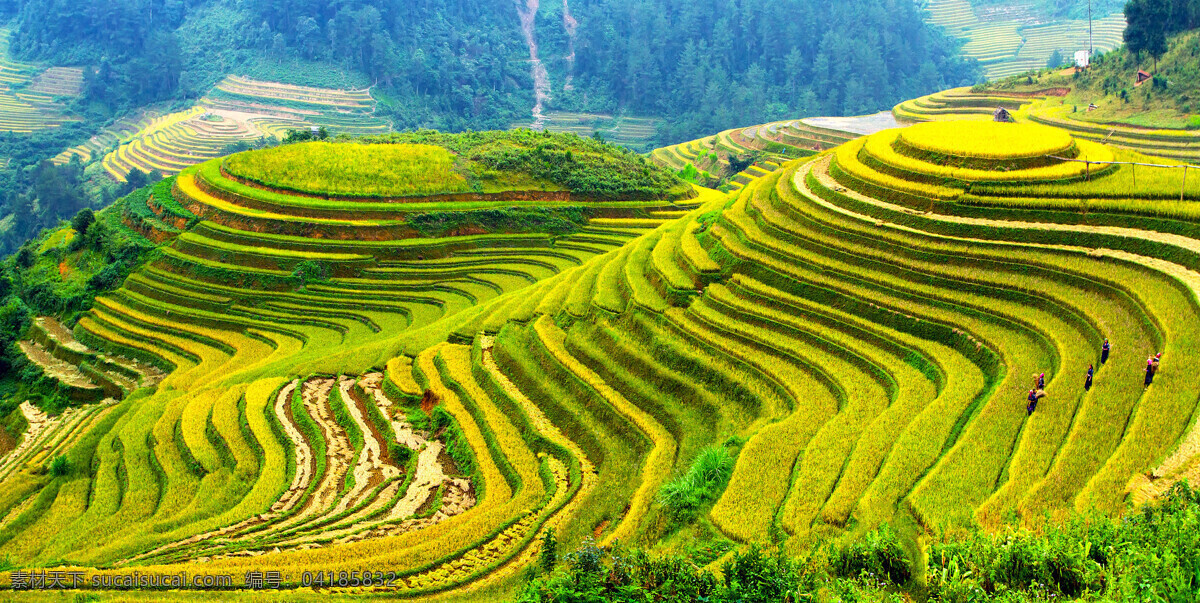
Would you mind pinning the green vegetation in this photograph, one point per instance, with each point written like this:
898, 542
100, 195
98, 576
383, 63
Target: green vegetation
584, 166
162, 87
830, 363
703, 483
1149, 556
681, 54
398, 170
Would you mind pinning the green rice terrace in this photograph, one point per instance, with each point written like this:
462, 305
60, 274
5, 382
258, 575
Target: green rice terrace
634, 132
238, 110
31, 95
1010, 38
323, 359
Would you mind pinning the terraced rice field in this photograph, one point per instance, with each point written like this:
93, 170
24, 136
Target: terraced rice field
121, 131
1015, 38
232, 463
30, 94
634, 132
868, 320
236, 110
774, 143
1045, 107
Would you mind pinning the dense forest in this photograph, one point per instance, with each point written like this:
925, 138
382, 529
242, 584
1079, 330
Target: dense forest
453, 65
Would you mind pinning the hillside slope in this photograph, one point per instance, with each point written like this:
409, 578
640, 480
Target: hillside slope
861, 327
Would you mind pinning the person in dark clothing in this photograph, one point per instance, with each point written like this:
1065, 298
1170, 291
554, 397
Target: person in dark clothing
1149, 370
1104, 352
1042, 381
1087, 385
1033, 400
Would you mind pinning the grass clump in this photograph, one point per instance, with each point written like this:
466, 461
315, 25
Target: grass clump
355, 170
704, 481
60, 466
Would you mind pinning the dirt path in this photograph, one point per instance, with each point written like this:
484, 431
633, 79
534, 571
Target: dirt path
1184, 462
305, 463
56, 368
60, 334
383, 509
372, 384
244, 118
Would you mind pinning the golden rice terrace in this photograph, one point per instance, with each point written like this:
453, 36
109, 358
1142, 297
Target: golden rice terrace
415, 356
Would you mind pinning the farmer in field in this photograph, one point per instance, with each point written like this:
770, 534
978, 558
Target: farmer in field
1041, 381
1104, 352
1087, 385
1149, 370
1033, 400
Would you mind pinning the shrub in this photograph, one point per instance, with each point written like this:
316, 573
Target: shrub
689, 173
753, 577
594, 573
400, 453
549, 555
60, 466
310, 271
877, 555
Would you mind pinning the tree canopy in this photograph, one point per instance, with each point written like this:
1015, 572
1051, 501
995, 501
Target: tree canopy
1149, 22
455, 65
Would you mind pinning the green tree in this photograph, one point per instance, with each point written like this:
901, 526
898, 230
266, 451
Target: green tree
1147, 27
1056, 59
82, 221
